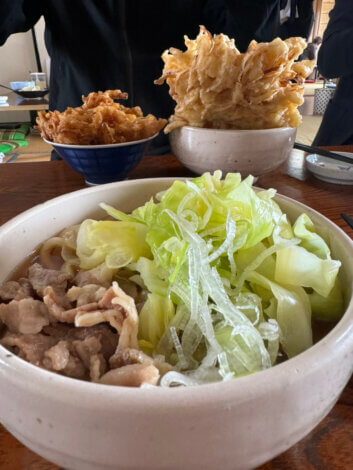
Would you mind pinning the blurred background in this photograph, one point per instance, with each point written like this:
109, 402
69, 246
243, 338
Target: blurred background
18, 58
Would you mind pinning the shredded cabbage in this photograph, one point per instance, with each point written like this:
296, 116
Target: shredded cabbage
231, 283
117, 243
155, 315
298, 267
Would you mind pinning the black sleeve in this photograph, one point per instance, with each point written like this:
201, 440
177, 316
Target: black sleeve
17, 16
335, 58
302, 25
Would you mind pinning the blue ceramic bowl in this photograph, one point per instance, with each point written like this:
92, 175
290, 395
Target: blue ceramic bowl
101, 164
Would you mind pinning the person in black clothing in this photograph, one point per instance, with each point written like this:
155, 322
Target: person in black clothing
108, 44
300, 20
310, 52
335, 60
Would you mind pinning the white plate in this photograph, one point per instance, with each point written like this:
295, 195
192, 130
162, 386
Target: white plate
330, 170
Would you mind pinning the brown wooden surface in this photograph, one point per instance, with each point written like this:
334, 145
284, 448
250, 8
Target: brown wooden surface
330, 445
17, 103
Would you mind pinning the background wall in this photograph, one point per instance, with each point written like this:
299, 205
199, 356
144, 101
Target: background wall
322, 9
17, 60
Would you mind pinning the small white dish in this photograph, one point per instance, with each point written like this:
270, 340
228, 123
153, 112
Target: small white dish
330, 170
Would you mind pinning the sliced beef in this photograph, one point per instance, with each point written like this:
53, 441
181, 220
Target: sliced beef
100, 275
60, 308
114, 317
16, 290
41, 277
30, 347
63, 358
27, 316
115, 308
9, 290
106, 301
89, 351
119, 310
128, 334
132, 375
107, 338
81, 333
60, 331
85, 295
124, 357
78, 358
57, 305
97, 367
58, 356
86, 348
75, 368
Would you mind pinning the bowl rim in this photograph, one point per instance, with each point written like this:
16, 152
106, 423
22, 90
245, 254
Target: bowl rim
85, 147
66, 389
230, 131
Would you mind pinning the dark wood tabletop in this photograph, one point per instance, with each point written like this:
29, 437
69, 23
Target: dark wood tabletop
22, 185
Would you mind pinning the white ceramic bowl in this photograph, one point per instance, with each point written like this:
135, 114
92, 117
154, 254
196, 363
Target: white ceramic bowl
330, 170
245, 151
235, 425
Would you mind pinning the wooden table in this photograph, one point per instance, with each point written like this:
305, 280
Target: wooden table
330, 445
17, 103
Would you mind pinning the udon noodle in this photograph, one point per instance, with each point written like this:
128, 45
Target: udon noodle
63, 245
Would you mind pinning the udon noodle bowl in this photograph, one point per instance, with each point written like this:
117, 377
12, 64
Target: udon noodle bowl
206, 282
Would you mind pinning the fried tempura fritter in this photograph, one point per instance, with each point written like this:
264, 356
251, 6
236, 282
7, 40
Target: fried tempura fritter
216, 86
100, 120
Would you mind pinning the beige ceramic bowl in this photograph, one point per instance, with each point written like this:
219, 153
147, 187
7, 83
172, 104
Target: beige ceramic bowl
252, 152
235, 425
